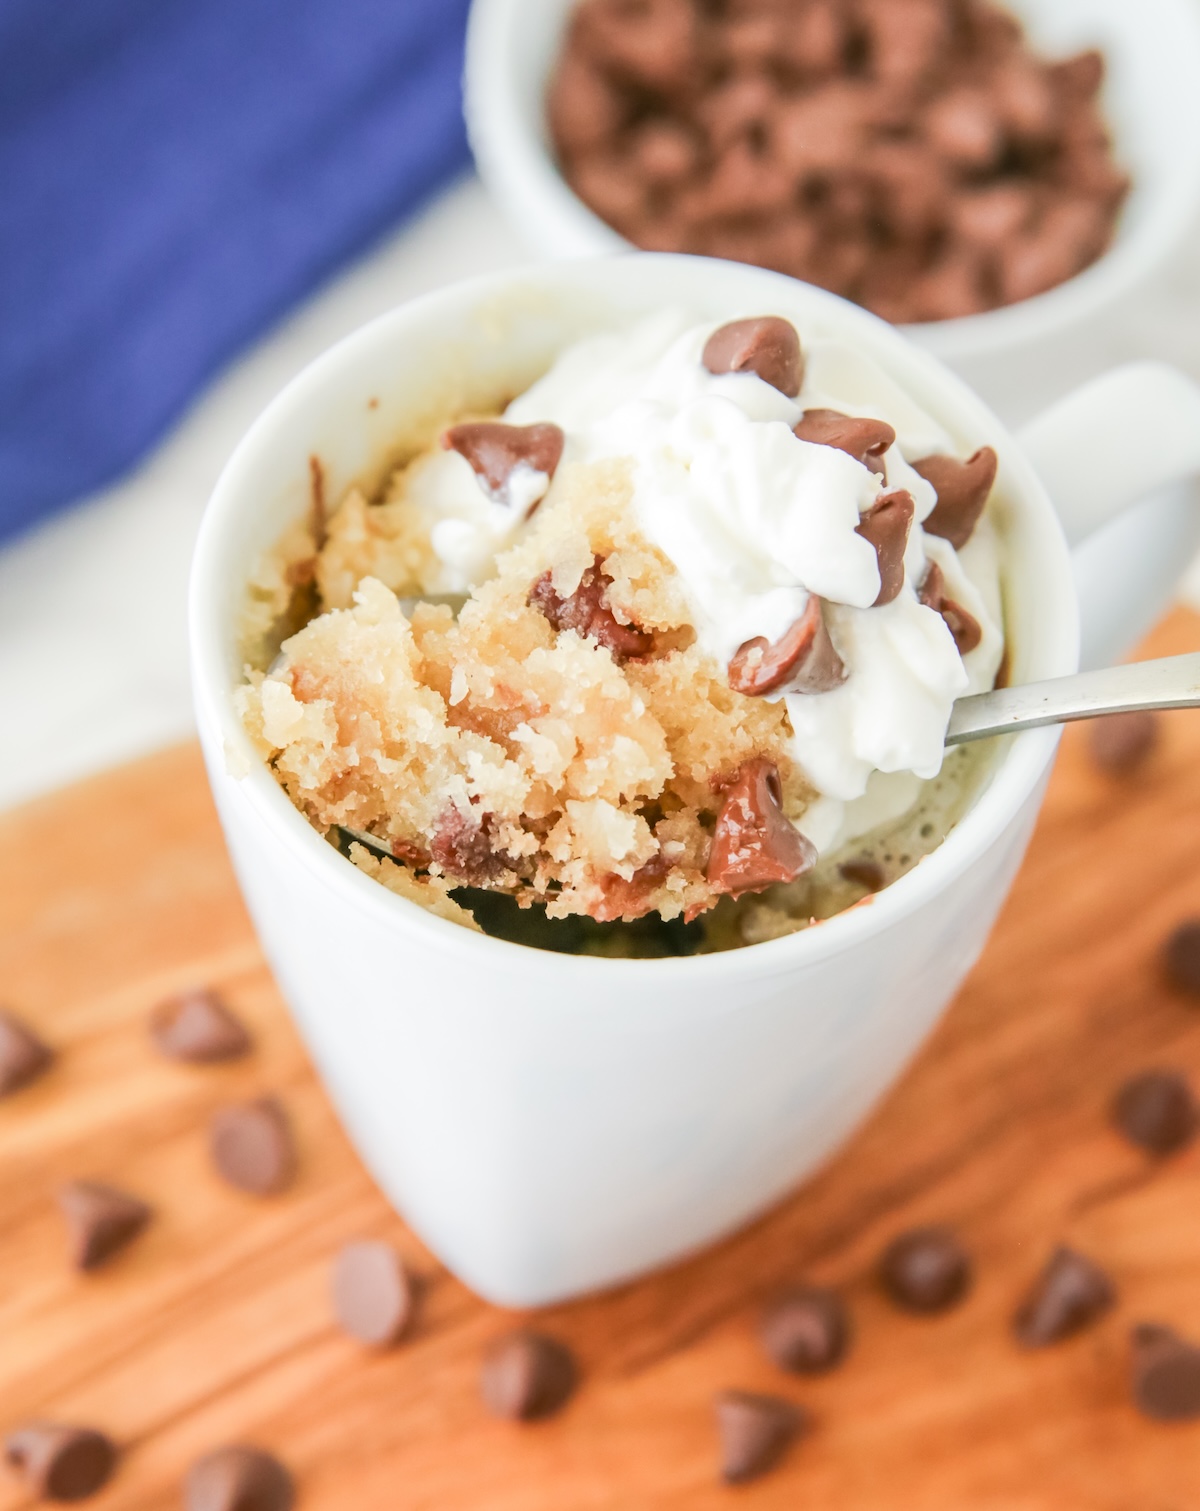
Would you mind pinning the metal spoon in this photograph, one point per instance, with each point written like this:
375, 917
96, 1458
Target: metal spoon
1171, 682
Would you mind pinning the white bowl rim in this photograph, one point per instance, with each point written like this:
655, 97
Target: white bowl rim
1015, 778
505, 149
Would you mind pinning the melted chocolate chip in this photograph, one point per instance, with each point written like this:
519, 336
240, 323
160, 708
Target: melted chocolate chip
806, 1331
586, 611
864, 873
196, 1026
1120, 743
863, 439
1181, 956
1070, 1292
755, 1431
61, 1463
964, 627
372, 1294
251, 1146
962, 490
803, 660
526, 1376
1156, 1111
755, 844
462, 845
100, 1221
238, 1479
767, 346
886, 525
1166, 1374
495, 451
925, 1270
23, 1056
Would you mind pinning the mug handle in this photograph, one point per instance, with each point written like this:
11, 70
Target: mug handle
1115, 457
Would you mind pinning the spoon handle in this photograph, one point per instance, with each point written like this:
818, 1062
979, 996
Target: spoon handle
1171, 682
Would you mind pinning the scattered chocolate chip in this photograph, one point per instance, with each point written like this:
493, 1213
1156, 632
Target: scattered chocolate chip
964, 627
1120, 743
1181, 956
513, 463
100, 1221
1156, 1111
926, 1270
754, 843
803, 660
251, 1146
197, 1026
865, 440
1166, 1374
755, 1431
238, 1479
586, 611
61, 1463
372, 1294
864, 873
1070, 1292
886, 525
23, 1056
806, 1331
962, 490
526, 1376
767, 346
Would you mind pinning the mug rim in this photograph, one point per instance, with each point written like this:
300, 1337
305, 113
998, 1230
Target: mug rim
521, 171
1016, 775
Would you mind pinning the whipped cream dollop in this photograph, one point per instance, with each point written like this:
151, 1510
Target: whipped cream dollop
755, 520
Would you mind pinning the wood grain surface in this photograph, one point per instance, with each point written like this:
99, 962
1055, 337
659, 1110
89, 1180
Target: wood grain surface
215, 1325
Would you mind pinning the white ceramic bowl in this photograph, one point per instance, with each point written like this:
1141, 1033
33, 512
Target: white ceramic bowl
1151, 97
551, 1123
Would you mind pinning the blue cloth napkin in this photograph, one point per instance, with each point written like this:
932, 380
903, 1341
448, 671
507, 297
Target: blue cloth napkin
174, 174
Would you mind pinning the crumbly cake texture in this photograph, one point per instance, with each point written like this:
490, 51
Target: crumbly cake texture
492, 749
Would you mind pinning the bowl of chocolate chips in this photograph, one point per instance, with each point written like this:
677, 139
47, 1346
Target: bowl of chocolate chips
985, 176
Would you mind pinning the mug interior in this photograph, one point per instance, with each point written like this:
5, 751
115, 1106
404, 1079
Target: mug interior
382, 393
1149, 95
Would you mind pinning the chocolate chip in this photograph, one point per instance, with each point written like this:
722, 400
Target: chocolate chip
886, 525
1181, 956
1120, 743
251, 1146
496, 452
767, 346
60, 1463
806, 1331
1166, 1374
1156, 1111
864, 440
962, 490
238, 1479
100, 1220
964, 627
1069, 1293
197, 1026
864, 873
926, 1270
754, 843
462, 844
803, 660
586, 611
23, 1056
755, 1431
372, 1296
526, 1376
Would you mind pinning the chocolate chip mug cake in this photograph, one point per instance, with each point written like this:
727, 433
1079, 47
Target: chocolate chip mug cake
658, 660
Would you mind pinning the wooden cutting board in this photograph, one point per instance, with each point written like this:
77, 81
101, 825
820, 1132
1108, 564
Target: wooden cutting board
215, 1327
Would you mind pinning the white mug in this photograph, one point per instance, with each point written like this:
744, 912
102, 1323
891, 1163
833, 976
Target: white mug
550, 1124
